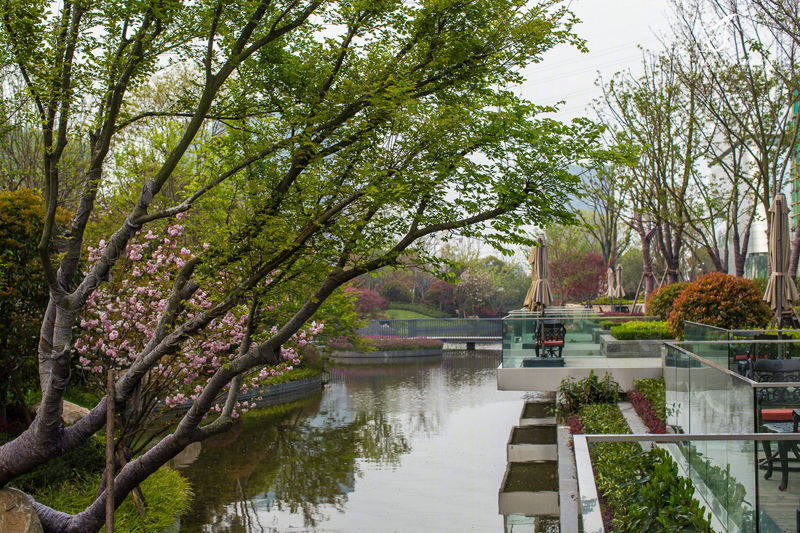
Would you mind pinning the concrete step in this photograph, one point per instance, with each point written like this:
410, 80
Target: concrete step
530, 489
532, 443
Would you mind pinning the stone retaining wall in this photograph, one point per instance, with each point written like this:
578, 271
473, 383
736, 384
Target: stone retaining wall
289, 391
611, 347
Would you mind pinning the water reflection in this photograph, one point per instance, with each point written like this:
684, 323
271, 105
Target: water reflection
381, 448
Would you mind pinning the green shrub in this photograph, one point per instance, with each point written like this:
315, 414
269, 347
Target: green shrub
661, 301
720, 300
591, 390
23, 291
654, 391
761, 284
607, 324
662, 501
641, 330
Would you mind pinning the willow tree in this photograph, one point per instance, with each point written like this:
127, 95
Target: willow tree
326, 139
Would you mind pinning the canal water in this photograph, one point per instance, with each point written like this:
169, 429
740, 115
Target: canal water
411, 448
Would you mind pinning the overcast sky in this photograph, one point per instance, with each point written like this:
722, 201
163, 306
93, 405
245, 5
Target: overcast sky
613, 29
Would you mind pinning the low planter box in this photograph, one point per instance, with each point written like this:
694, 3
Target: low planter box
611, 347
596, 332
383, 356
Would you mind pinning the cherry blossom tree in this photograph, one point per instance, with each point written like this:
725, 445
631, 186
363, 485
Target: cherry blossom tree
317, 141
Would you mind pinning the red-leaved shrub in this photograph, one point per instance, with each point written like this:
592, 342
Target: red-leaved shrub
720, 300
645, 411
575, 425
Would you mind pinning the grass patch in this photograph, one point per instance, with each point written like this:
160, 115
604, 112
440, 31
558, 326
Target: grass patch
403, 314
167, 494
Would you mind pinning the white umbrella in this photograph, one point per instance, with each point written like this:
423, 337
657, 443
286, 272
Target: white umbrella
781, 293
539, 295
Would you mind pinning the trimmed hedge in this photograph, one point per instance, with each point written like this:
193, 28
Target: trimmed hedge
606, 300
720, 300
661, 301
641, 330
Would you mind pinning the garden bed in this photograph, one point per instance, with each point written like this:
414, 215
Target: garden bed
639, 491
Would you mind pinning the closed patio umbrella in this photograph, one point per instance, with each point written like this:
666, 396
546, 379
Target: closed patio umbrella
539, 295
619, 292
781, 293
610, 282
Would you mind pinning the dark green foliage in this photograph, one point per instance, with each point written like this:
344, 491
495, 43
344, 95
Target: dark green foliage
662, 501
654, 392
591, 390
640, 330
720, 300
661, 301
761, 284
23, 292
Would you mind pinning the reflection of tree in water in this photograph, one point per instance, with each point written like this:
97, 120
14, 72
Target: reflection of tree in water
290, 462
418, 396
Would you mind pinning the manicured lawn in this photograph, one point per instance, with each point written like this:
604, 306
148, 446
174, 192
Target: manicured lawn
395, 314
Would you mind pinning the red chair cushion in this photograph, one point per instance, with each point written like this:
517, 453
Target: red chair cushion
776, 415
554, 343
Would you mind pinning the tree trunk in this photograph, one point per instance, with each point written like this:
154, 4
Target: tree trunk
795, 253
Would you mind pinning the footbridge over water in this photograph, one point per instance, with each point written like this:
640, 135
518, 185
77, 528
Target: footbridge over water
455, 330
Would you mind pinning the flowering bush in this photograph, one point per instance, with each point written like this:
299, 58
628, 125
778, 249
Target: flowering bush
120, 319
719, 300
661, 301
385, 343
368, 303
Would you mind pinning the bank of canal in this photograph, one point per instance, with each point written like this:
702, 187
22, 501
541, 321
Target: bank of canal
418, 447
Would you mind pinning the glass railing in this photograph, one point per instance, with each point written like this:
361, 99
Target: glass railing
725, 473
582, 331
706, 397
737, 352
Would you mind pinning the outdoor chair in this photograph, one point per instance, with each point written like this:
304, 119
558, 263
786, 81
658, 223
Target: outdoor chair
550, 339
777, 407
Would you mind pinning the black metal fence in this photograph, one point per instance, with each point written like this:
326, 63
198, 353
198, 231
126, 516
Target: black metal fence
437, 328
